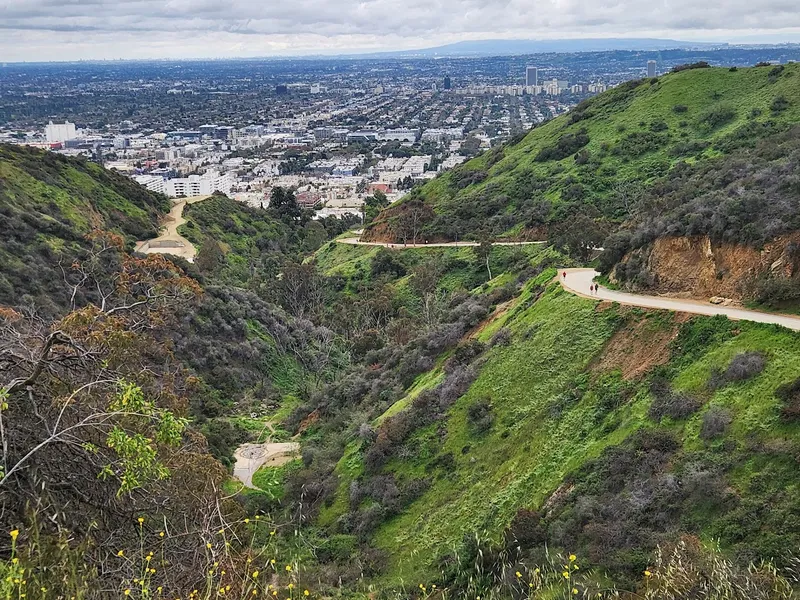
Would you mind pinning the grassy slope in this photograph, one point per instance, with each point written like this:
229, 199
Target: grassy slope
48, 204
542, 434
611, 117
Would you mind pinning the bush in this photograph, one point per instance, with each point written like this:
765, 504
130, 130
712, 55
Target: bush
479, 416
743, 366
698, 65
715, 422
779, 104
668, 403
789, 394
680, 108
566, 146
716, 117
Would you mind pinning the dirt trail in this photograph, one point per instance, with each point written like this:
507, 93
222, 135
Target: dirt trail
578, 281
354, 241
251, 457
170, 241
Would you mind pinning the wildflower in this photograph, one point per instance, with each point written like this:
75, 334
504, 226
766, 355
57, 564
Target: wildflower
306, 593
141, 520
127, 592
290, 586
258, 517
221, 531
159, 589
14, 533
271, 532
518, 574
255, 574
566, 575
572, 558
647, 573
574, 591
160, 534
255, 592
272, 561
208, 545
289, 568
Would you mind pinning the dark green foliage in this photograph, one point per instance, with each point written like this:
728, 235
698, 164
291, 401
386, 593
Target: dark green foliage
479, 416
567, 145
223, 437
698, 65
779, 104
680, 108
638, 143
716, 117
386, 262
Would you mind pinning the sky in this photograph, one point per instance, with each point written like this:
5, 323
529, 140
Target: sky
45, 30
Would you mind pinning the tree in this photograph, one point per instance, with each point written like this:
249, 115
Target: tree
283, 204
483, 251
210, 256
411, 218
92, 424
373, 206
579, 236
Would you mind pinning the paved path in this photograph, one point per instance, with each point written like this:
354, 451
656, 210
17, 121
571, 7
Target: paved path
578, 281
354, 241
170, 241
251, 457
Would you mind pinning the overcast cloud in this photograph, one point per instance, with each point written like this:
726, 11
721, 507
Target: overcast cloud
81, 29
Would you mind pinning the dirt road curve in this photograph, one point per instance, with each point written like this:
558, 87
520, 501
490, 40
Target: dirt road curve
353, 241
170, 241
251, 457
578, 281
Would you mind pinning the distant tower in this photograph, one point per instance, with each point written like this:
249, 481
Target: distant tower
531, 76
651, 68
447, 83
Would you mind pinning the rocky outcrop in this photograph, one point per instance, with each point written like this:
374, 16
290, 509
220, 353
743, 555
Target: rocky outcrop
699, 267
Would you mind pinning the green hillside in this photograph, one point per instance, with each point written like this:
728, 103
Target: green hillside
48, 203
594, 163
568, 424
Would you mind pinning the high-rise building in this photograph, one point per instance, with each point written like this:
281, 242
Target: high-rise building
651, 68
60, 132
447, 83
531, 76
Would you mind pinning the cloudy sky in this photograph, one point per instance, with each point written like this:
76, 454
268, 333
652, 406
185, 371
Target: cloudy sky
110, 29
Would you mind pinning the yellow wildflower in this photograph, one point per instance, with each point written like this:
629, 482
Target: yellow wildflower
574, 591
127, 592
141, 520
572, 558
306, 593
255, 574
288, 567
647, 573
518, 574
14, 534
566, 575
121, 553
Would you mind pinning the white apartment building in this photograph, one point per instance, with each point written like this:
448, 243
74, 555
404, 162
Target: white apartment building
188, 187
60, 132
154, 183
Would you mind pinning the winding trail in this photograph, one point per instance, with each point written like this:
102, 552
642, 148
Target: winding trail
354, 241
170, 241
578, 281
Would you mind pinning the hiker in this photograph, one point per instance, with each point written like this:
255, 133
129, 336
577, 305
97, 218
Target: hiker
591, 289
564, 274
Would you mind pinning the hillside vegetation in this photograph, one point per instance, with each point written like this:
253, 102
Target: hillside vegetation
592, 167
48, 204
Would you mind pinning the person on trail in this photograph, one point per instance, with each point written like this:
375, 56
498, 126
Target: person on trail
591, 289
564, 274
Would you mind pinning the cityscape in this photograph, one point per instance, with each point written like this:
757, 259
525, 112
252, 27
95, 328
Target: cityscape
334, 130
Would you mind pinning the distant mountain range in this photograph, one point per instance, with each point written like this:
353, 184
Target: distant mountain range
512, 47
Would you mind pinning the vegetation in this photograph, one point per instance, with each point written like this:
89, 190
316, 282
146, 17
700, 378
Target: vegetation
611, 158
